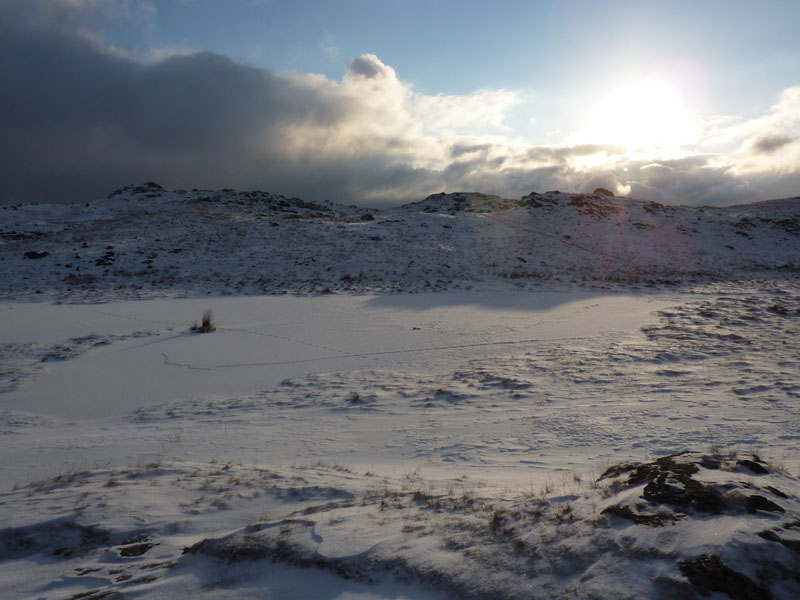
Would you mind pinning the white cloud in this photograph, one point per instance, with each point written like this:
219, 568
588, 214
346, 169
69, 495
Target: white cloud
163, 52
767, 144
487, 108
329, 47
387, 116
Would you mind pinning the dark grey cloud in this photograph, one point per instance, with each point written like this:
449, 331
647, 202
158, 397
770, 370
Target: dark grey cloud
461, 149
565, 154
770, 143
78, 120
74, 16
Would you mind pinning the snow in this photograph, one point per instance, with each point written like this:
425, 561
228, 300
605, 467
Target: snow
262, 341
145, 241
500, 437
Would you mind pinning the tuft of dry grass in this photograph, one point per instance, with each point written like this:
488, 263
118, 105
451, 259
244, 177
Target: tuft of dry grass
207, 324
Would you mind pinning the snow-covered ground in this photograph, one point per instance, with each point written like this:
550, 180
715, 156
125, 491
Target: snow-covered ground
526, 438
145, 241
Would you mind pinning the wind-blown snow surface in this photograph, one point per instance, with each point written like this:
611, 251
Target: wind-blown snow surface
501, 443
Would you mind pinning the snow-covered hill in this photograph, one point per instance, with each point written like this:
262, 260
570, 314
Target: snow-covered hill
143, 240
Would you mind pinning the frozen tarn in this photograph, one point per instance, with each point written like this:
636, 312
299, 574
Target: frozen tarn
262, 341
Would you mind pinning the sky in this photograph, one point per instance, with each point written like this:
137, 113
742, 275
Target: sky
378, 103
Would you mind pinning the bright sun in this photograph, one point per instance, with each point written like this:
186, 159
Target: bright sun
645, 117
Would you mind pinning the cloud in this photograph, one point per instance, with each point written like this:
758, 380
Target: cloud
462, 113
370, 67
770, 143
329, 47
79, 118
77, 16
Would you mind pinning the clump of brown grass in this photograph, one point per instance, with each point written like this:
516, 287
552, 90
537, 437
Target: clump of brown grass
207, 324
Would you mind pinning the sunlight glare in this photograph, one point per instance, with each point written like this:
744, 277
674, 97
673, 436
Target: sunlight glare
645, 117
